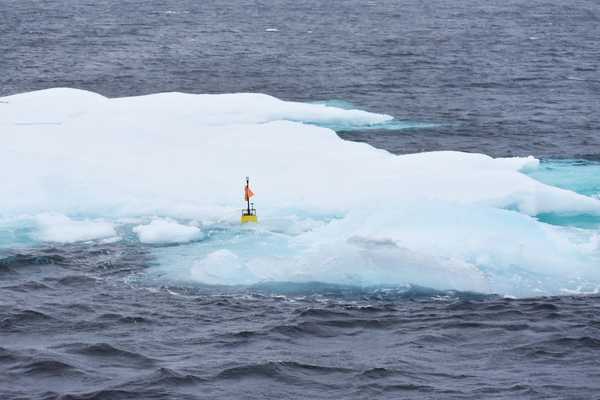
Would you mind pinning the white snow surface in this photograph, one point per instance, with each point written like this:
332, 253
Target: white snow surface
330, 210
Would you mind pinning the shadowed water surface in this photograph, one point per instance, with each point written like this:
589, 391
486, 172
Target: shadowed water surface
78, 330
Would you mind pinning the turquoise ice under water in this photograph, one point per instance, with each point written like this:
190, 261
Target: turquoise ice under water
391, 125
580, 176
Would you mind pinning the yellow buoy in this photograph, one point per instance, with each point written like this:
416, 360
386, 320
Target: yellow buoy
249, 218
248, 213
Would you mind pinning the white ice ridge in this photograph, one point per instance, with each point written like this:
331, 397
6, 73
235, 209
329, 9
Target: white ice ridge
61, 105
184, 157
167, 231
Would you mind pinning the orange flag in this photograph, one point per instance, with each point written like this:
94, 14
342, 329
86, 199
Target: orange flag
248, 193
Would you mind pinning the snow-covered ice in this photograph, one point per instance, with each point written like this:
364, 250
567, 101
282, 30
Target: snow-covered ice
167, 231
330, 210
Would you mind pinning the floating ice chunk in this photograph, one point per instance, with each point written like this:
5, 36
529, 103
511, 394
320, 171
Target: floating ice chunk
167, 231
62, 229
529, 163
439, 219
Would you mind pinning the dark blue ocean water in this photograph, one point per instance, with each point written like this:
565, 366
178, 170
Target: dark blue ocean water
502, 78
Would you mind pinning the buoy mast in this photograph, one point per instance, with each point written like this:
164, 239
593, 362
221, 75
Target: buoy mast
247, 191
248, 214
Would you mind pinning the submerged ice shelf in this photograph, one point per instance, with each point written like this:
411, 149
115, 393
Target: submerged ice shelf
390, 124
580, 176
168, 168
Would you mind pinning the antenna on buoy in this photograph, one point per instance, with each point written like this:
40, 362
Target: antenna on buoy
249, 213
